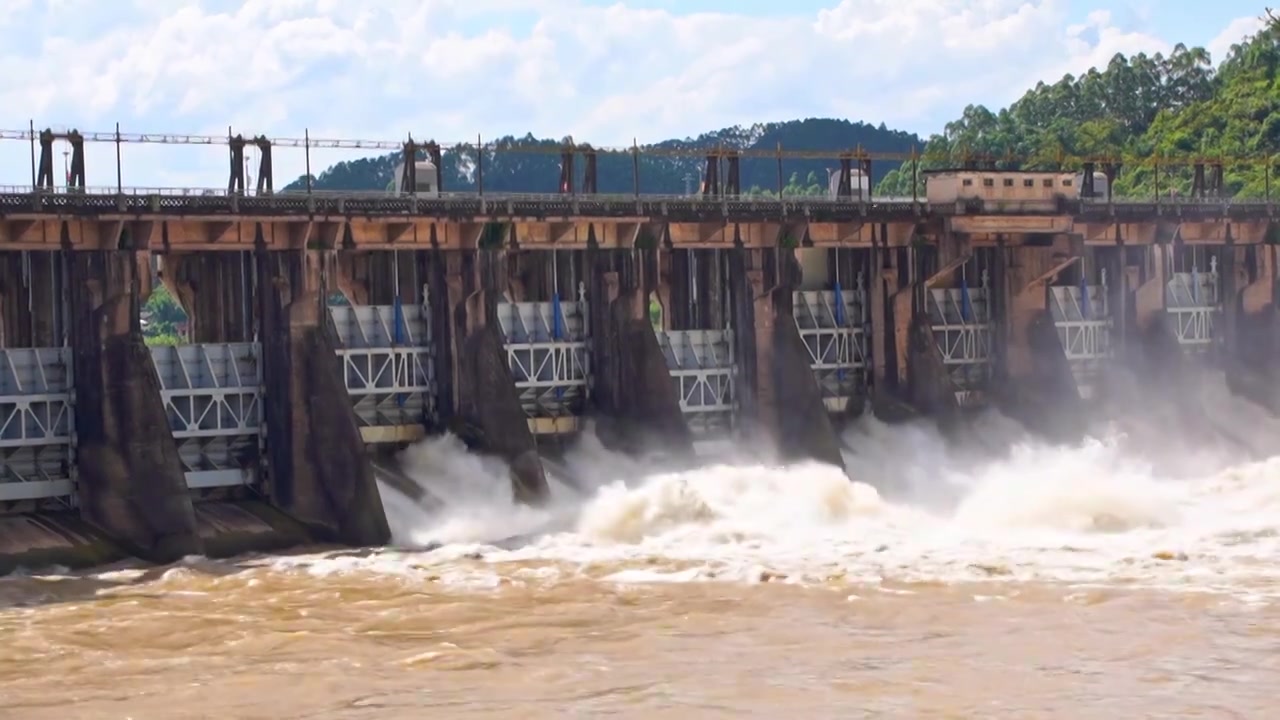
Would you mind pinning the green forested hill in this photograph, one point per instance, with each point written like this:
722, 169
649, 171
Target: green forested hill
1138, 109
506, 169
1142, 110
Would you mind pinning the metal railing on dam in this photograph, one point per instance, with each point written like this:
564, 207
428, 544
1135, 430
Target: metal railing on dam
182, 202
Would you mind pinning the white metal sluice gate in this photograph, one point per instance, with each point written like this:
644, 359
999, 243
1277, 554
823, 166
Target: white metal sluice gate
1193, 302
212, 395
388, 368
703, 366
547, 351
961, 323
37, 426
833, 326
1082, 317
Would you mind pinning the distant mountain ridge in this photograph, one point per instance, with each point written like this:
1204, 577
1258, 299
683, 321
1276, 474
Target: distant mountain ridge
507, 170
1135, 109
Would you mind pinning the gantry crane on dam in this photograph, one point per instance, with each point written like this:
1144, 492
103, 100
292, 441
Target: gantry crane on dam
511, 318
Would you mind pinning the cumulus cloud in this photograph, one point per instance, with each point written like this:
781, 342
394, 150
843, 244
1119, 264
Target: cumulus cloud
1220, 45
450, 69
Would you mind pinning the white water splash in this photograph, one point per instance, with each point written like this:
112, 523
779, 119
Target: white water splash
920, 510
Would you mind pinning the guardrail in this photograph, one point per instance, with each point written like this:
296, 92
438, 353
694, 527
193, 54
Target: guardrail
201, 201
146, 191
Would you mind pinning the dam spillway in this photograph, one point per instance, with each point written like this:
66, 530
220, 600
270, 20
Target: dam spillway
328, 331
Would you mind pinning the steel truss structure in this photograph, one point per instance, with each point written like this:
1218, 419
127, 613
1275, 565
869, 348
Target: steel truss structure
1084, 326
836, 339
37, 427
704, 366
1193, 302
213, 397
388, 365
549, 357
963, 337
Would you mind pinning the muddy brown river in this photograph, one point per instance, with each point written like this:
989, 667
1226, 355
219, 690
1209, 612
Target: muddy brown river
1065, 583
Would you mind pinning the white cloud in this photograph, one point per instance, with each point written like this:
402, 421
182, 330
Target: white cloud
453, 68
1220, 46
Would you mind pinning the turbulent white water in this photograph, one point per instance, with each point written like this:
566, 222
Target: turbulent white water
1171, 514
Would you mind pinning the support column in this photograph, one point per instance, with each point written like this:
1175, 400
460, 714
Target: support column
485, 407
637, 400
892, 292
28, 281
778, 393
1250, 322
1151, 347
930, 389
1035, 384
1119, 295
319, 472
677, 290
1232, 284
131, 481
1256, 332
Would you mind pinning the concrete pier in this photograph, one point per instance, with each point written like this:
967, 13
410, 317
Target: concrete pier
635, 397
320, 474
130, 480
1035, 381
486, 410
780, 395
1252, 326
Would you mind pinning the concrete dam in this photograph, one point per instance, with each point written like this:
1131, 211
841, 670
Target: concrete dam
328, 331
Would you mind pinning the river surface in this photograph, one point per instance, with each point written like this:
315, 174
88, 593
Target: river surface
1091, 581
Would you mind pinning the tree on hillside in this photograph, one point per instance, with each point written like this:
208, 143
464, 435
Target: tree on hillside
163, 315
1135, 110
532, 165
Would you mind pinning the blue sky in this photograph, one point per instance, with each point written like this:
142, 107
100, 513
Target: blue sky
1190, 22
604, 72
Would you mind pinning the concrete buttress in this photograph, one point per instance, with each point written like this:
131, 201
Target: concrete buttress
931, 389
320, 473
131, 479
1250, 322
637, 399
1153, 349
779, 389
1035, 384
891, 301
486, 409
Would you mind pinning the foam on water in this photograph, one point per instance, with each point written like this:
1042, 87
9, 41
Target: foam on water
920, 509
1137, 508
